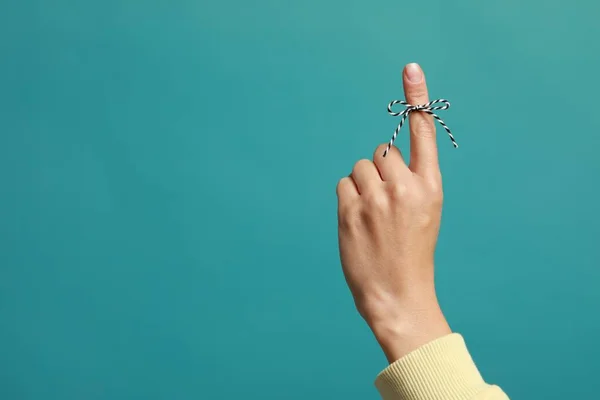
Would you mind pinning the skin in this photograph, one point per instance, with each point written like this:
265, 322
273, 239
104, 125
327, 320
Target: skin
389, 218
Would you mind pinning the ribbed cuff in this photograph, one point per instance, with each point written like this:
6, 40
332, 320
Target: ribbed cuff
440, 370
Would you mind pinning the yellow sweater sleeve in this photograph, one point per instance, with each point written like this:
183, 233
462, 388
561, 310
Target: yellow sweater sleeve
440, 370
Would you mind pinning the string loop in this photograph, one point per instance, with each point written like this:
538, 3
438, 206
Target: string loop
429, 108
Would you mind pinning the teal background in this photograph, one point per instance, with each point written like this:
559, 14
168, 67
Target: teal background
168, 210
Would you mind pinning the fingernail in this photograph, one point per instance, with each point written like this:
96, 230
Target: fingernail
414, 73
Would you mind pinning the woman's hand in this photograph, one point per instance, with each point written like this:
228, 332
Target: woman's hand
389, 218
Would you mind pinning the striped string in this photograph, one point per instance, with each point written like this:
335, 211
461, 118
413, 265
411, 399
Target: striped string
425, 108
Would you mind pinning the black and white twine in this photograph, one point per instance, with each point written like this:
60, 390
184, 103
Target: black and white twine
425, 108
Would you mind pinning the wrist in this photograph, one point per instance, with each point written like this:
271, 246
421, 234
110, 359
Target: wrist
408, 326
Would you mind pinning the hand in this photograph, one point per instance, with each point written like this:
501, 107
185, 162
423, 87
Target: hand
389, 218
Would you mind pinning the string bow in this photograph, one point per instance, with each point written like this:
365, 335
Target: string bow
423, 107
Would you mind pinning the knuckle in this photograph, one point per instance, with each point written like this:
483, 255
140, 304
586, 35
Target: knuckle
376, 201
348, 216
361, 164
436, 191
435, 188
412, 196
339, 189
380, 150
398, 190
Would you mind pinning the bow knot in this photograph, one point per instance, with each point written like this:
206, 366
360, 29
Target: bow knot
429, 108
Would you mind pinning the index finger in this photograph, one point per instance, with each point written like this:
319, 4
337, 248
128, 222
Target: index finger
423, 145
